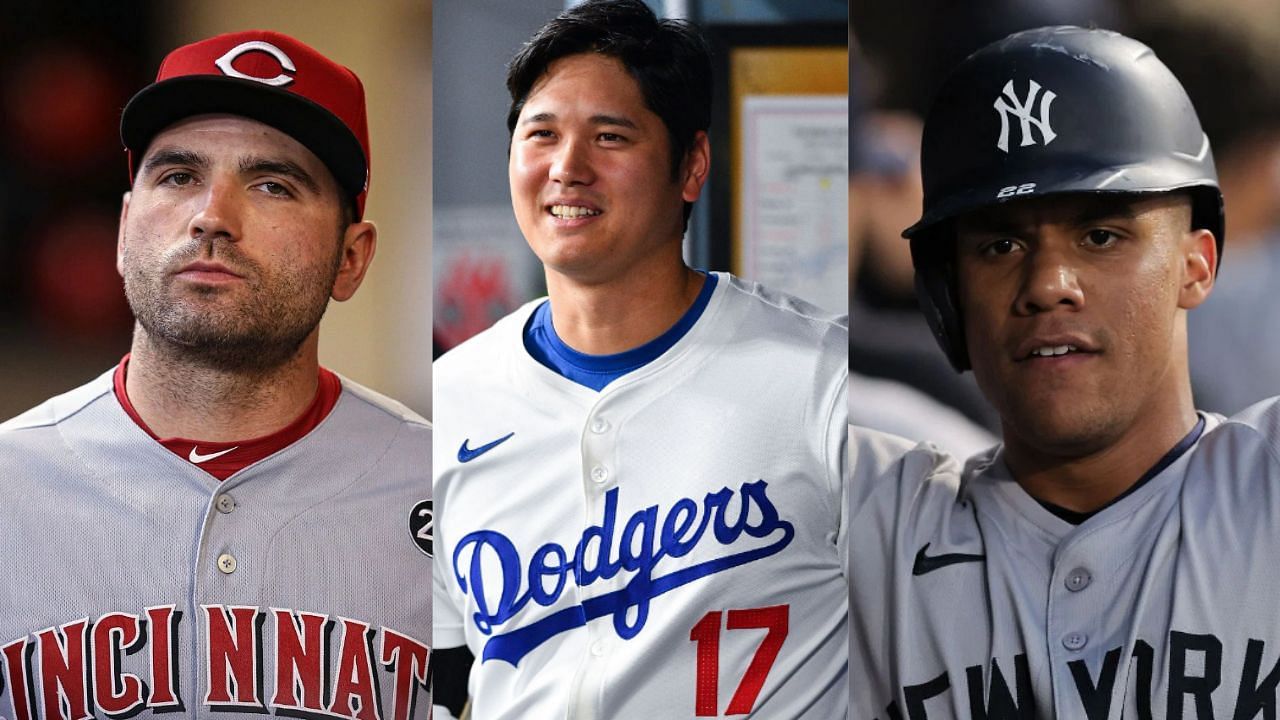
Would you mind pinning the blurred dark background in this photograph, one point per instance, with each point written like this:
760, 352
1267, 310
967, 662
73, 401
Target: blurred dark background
70, 67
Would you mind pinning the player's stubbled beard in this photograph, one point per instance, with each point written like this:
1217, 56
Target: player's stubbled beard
257, 335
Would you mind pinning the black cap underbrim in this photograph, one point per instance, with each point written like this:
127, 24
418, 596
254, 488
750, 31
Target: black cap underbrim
161, 104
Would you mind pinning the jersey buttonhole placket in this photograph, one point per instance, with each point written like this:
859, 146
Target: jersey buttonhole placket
218, 527
600, 475
1068, 619
597, 446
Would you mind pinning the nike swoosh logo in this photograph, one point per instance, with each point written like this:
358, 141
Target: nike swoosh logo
197, 458
926, 564
466, 454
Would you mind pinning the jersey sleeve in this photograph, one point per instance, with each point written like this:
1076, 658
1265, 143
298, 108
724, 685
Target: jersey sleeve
1264, 418
880, 462
838, 466
447, 631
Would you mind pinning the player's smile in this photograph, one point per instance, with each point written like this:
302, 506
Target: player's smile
573, 213
1056, 351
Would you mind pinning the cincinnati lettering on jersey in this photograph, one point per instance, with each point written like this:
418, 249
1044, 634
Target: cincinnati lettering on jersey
1194, 684
321, 667
601, 554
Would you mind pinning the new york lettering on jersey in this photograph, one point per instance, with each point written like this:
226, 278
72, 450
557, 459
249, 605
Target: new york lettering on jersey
1131, 678
1151, 608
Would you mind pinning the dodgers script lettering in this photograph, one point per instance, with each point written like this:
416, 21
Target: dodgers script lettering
645, 541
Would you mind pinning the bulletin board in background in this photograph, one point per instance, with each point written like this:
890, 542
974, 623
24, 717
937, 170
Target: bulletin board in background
786, 202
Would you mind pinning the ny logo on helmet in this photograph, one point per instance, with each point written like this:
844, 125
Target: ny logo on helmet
1023, 111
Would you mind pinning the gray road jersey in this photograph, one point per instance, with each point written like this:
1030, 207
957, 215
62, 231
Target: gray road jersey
970, 600
137, 583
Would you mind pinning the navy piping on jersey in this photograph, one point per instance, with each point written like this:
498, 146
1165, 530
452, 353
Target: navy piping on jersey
1076, 517
596, 371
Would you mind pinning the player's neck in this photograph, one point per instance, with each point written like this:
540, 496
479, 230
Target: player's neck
624, 312
178, 397
1086, 479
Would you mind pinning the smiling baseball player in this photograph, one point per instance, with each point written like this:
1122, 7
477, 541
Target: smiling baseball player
218, 526
640, 481
1109, 559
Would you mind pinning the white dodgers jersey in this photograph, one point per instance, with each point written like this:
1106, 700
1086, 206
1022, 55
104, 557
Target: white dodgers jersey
971, 600
137, 584
669, 547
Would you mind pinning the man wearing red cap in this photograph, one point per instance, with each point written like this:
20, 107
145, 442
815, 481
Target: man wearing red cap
219, 525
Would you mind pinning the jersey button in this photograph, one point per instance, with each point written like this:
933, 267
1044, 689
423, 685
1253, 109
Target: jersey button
1078, 580
597, 648
1075, 641
225, 504
599, 425
599, 473
227, 563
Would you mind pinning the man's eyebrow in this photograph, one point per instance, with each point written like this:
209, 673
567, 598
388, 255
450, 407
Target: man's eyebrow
1103, 211
538, 118
601, 119
613, 120
986, 222
286, 168
162, 158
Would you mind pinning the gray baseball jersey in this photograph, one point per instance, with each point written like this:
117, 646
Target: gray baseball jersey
971, 600
138, 583
668, 547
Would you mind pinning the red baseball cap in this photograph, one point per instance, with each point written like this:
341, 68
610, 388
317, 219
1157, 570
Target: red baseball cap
271, 78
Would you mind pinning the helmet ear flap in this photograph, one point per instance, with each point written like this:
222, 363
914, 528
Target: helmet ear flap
935, 281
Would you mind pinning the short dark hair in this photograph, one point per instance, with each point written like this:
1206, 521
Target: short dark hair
668, 59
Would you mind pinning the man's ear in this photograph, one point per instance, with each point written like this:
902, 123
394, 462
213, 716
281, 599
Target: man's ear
124, 215
1199, 250
359, 242
695, 168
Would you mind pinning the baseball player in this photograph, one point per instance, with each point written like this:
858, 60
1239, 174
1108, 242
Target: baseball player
641, 479
219, 527
1101, 562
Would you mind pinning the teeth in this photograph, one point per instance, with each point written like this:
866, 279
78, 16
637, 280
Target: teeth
572, 211
1054, 350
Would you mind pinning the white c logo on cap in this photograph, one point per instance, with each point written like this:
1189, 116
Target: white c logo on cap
224, 62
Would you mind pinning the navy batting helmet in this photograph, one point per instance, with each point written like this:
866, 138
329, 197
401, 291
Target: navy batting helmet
1047, 111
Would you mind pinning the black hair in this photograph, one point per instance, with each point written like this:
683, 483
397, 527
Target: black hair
668, 59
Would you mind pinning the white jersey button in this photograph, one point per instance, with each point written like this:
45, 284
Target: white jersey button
227, 563
225, 504
597, 648
1078, 580
599, 425
599, 473
1075, 641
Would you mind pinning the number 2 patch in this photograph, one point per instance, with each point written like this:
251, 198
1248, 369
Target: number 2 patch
421, 526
